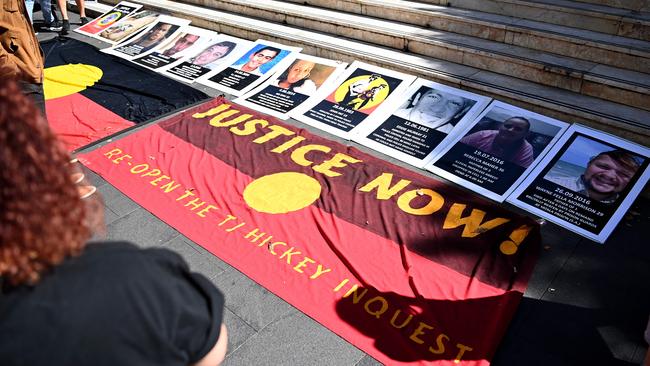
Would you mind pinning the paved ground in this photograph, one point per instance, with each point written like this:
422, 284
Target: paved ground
586, 304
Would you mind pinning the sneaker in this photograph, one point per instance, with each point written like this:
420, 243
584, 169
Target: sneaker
65, 27
52, 27
84, 20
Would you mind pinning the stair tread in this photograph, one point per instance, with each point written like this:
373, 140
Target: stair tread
595, 8
599, 39
459, 74
522, 54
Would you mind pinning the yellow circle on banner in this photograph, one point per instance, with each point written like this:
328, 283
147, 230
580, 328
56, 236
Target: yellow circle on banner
282, 192
64, 80
357, 104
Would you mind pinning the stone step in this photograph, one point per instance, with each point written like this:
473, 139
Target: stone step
621, 86
587, 45
635, 5
582, 15
628, 122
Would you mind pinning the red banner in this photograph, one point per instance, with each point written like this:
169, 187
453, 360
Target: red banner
408, 269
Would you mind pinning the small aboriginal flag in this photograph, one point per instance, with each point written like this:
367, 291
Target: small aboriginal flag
90, 95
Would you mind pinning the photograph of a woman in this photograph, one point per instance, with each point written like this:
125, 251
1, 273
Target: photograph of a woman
296, 77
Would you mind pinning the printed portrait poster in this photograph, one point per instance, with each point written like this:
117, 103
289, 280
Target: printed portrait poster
175, 48
111, 17
129, 26
155, 35
301, 79
495, 153
586, 183
421, 122
219, 50
362, 91
251, 69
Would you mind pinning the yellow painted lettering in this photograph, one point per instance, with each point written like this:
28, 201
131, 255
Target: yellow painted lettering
170, 186
461, 351
383, 306
382, 184
337, 161
206, 210
152, 173
276, 131
116, 151
473, 225
218, 121
419, 331
289, 253
319, 271
185, 195
435, 202
440, 346
212, 111
155, 181
298, 155
139, 168
249, 127
303, 263
404, 323
195, 203
272, 246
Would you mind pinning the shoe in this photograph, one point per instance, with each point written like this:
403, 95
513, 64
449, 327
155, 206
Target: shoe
52, 27
84, 20
86, 191
65, 27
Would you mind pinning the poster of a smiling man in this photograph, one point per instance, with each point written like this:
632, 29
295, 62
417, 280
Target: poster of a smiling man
586, 183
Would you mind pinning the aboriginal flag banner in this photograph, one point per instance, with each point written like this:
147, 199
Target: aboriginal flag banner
90, 95
406, 268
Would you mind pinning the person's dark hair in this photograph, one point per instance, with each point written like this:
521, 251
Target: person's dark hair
274, 49
229, 45
42, 218
621, 157
522, 119
285, 75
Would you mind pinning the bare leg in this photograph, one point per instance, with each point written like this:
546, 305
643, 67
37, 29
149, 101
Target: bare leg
82, 8
63, 8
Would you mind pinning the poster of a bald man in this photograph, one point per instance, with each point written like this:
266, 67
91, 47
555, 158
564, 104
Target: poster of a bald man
586, 182
496, 151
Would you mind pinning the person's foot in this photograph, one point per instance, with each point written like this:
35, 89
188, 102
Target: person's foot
65, 27
84, 20
52, 27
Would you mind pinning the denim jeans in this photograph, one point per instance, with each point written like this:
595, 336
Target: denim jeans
29, 4
46, 8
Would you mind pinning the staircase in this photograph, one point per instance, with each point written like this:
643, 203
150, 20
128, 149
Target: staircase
579, 61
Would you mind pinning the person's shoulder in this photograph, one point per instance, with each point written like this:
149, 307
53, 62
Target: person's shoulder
128, 255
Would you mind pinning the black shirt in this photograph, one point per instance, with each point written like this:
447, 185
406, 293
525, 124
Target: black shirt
115, 304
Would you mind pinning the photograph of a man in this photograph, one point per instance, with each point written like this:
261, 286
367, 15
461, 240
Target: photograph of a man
508, 142
605, 176
183, 42
435, 109
254, 61
211, 55
153, 37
